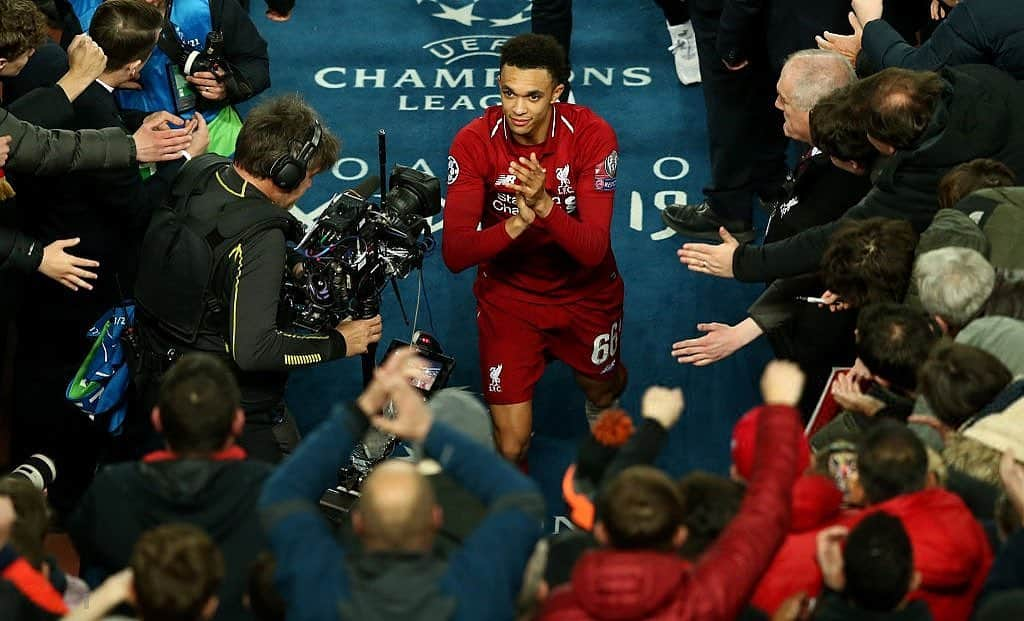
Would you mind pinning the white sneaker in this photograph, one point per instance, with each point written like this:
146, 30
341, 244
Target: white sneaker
684, 52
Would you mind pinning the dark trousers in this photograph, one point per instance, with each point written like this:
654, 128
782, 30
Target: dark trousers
46, 357
270, 438
745, 141
676, 11
553, 17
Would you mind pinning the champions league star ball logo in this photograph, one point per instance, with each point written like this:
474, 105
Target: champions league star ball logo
494, 13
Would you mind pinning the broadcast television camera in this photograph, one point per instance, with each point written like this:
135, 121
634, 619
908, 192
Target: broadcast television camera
356, 247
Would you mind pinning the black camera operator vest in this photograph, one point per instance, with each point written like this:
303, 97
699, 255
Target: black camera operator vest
184, 250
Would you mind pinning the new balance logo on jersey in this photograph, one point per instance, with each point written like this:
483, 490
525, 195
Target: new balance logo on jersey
495, 373
504, 181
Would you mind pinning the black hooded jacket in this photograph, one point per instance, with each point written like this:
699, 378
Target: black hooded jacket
218, 495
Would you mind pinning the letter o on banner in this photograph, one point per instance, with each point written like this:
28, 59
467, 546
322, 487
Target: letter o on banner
347, 163
684, 168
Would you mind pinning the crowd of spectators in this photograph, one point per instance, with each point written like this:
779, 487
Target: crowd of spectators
881, 478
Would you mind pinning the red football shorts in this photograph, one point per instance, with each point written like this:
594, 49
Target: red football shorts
517, 339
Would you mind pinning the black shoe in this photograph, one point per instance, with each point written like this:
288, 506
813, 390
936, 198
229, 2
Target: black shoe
702, 222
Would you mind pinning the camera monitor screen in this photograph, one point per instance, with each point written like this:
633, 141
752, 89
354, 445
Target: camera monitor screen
436, 369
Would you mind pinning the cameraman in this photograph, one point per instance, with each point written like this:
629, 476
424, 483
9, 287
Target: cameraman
242, 73
213, 264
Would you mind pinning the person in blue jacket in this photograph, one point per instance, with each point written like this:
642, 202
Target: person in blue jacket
395, 575
162, 84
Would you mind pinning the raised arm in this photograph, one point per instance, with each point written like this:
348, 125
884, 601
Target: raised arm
492, 559
462, 245
957, 40
289, 510
728, 572
39, 151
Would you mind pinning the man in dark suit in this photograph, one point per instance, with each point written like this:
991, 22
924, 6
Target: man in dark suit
742, 45
108, 211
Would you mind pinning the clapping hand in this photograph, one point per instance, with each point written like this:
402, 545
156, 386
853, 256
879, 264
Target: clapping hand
412, 418
531, 177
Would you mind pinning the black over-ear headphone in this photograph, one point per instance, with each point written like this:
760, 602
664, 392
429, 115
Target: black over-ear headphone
288, 171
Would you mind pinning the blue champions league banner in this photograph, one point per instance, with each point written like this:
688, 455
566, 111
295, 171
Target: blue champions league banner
422, 69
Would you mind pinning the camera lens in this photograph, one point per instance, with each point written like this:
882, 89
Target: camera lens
405, 202
39, 470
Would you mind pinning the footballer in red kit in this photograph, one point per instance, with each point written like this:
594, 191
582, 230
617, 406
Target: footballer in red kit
531, 185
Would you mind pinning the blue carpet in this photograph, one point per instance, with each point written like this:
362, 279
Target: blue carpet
399, 65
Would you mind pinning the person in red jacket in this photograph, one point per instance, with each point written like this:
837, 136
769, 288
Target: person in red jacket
530, 190
951, 551
638, 575
815, 504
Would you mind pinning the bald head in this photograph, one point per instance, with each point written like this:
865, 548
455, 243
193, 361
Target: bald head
806, 78
397, 510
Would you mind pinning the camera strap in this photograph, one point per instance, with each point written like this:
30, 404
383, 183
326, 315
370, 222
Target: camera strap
170, 43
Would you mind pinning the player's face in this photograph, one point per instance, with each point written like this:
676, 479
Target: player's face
526, 98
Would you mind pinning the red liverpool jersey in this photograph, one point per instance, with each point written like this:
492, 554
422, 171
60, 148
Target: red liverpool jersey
558, 259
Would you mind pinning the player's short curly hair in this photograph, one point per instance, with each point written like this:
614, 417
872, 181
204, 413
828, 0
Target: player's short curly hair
22, 28
535, 51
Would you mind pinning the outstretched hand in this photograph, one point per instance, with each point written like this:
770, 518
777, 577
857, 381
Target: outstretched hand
847, 45
66, 268
712, 259
719, 341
